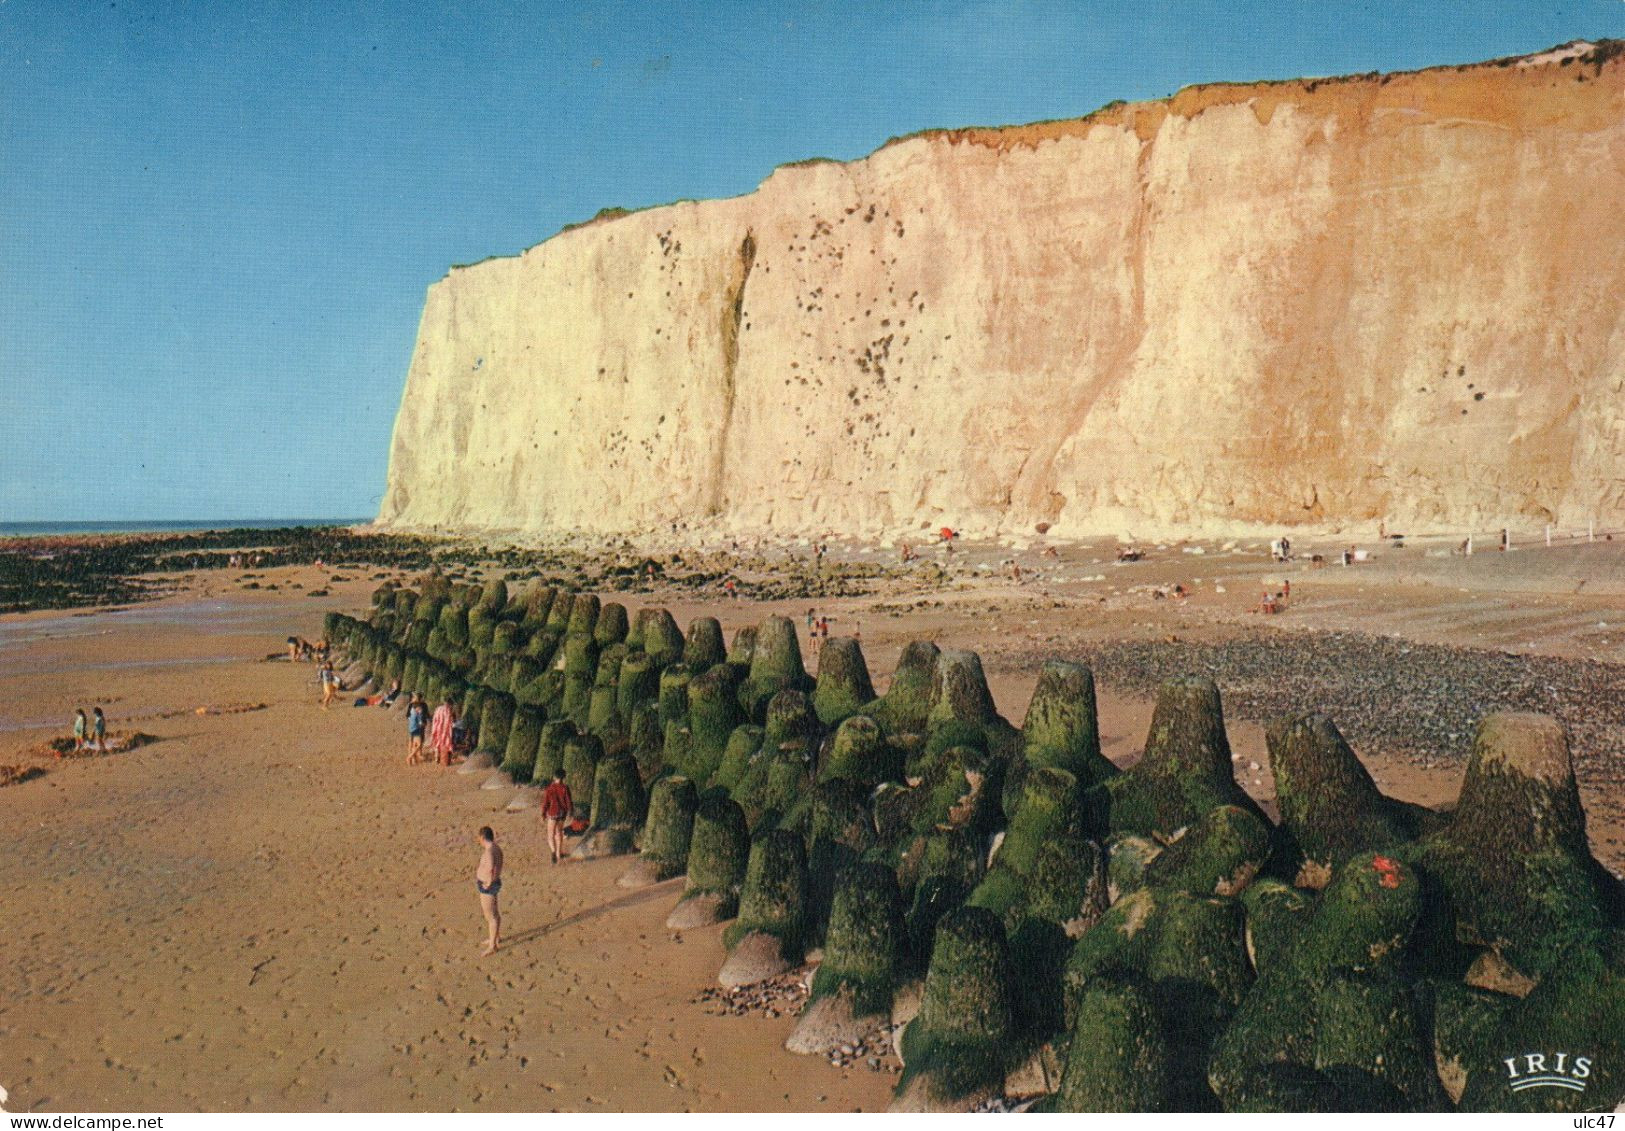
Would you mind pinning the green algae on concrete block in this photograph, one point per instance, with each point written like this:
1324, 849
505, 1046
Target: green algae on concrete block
1118, 1059
1276, 912
555, 735
839, 829
619, 806
639, 683
703, 647
843, 686
1062, 727
719, 850
661, 638
775, 666
612, 624
583, 615
582, 753
744, 745
1185, 771
1514, 860
496, 717
1330, 808
860, 753
742, 650
524, 736
962, 1041
669, 828
1218, 855
866, 940
906, 706
713, 713
773, 898
672, 694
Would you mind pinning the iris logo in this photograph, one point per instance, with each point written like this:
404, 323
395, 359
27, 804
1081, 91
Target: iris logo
1531, 1070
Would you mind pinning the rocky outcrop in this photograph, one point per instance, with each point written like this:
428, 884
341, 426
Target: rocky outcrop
1312, 302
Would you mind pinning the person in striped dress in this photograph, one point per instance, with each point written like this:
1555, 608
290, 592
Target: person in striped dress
440, 728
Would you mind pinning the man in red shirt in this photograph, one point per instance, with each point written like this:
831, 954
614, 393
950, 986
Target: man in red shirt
556, 807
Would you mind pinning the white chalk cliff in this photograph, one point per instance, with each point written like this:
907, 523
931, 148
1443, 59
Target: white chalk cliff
1314, 302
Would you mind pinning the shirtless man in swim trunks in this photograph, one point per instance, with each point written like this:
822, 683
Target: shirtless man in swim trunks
488, 882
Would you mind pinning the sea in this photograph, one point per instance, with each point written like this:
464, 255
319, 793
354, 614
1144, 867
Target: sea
164, 526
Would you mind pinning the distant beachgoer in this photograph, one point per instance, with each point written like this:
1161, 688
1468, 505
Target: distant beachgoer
556, 806
330, 683
417, 722
293, 649
908, 552
79, 723
488, 882
1286, 588
731, 589
440, 731
810, 619
99, 728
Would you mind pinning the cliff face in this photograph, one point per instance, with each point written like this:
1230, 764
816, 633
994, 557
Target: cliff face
1317, 303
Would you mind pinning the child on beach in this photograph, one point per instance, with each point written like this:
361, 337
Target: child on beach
99, 727
488, 882
330, 684
417, 722
79, 722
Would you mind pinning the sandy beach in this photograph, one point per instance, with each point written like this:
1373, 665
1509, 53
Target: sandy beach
266, 909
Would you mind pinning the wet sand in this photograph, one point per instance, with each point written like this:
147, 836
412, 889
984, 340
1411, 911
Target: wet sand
268, 910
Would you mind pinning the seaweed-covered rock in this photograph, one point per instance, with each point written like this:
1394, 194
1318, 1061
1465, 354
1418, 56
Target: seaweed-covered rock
524, 736
742, 651
1118, 1059
775, 666
1565, 1041
558, 615
1048, 810
744, 747
957, 1049
555, 735
1276, 913
667, 833
860, 754
1514, 860
1330, 808
639, 683
1218, 855
1068, 884
839, 830
770, 932
618, 809
1127, 858
496, 717
1062, 728
717, 856
611, 626
672, 694
1339, 997
703, 647
906, 706
582, 754
959, 691
940, 870
713, 713
863, 960
583, 615
662, 639
1185, 771
581, 655
494, 595
538, 602
843, 685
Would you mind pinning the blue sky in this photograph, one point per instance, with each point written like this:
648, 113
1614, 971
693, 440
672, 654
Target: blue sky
218, 220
